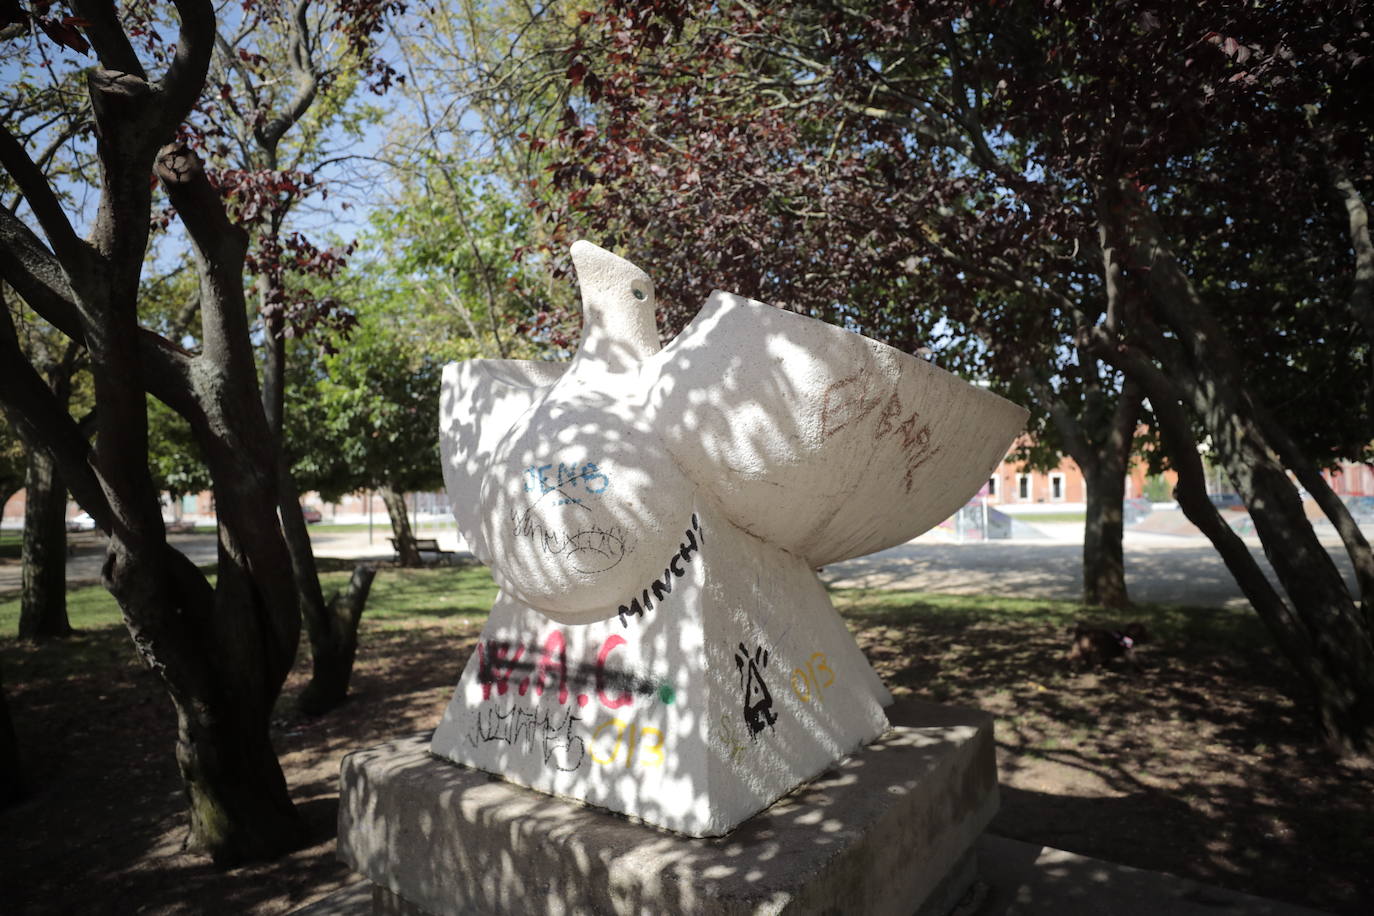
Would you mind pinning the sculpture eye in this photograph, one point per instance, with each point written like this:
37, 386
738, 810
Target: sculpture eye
639, 293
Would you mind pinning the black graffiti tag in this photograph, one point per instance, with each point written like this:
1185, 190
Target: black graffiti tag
532, 730
688, 549
758, 702
589, 549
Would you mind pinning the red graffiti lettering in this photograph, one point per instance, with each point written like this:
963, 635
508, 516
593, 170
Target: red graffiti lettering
886, 420
607, 647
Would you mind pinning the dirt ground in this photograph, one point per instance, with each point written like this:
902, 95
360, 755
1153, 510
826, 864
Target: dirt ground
1199, 764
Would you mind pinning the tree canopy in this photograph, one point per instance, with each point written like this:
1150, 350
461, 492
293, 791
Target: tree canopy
1098, 192
1119, 212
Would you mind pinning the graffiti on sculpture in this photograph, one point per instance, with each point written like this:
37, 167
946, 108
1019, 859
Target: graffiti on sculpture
633, 745
729, 739
847, 402
657, 589
540, 730
590, 548
503, 665
810, 683
758, 702
569, 482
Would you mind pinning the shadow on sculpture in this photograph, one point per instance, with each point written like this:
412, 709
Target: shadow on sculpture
661, 646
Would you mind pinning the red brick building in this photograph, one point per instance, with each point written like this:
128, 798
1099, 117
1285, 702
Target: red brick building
1012, 484
1352, 480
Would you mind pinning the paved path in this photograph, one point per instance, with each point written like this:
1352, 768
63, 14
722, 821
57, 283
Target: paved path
83, 566
1159, 568
1172, 571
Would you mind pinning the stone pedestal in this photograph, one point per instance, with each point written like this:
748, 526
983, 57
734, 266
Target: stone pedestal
888, 830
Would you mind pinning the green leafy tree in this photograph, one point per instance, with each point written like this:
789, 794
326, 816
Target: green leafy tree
11, 462
447, 234
370, 421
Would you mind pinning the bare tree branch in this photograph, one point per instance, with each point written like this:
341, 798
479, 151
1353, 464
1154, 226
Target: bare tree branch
27, 265
220, 246
307, 84
33, 184
108, 38
185, 77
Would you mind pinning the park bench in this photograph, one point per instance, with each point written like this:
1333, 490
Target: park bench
424, 546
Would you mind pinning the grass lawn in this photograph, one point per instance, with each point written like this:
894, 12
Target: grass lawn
381, 525
397, 594
1032, 518
1201, 763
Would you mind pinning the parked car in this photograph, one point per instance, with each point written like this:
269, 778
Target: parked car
82, 521
1226, 500
1135, 510
311, 514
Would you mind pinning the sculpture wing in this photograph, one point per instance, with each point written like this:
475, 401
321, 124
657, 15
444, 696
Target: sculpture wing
820, 440
481, 399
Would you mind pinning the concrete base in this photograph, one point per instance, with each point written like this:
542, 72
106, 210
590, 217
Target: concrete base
888, 830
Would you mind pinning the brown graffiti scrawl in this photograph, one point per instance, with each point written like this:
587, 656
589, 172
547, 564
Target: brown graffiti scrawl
848, 401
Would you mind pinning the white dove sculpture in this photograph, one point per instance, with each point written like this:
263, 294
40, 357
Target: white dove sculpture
661, 645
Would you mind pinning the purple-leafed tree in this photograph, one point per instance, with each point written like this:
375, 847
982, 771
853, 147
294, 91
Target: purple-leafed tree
1114, 201
738, 147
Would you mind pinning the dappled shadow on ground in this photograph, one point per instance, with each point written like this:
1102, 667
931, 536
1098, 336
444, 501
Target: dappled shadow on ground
102, 832
1199, 764
1186, 572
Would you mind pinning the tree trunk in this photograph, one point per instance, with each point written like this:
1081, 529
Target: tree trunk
1191, 492
1321, 628
1342, 669
1104, 565
332, 629
43, 607
1317, 630
409, 556
240, 808
335, 644
12, 786
234, 787
222, 652
1310, 477
1108, 456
